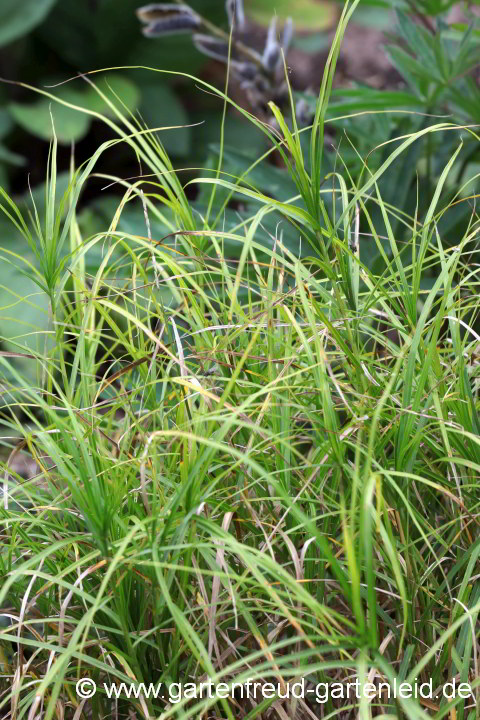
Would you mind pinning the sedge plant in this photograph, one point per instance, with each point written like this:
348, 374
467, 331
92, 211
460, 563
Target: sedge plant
251, 466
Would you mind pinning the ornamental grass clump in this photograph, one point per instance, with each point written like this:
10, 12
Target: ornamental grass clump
256, 464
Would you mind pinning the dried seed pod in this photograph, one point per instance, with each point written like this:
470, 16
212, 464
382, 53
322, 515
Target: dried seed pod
304, 113
272, 57
212, 47
262, 84
218, 50
169, 27
272, 53
160, 11
247, 71
235, 13
167, 18
259, 91
287, 35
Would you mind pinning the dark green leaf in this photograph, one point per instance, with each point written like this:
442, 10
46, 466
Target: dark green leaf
420, 43
41, 117
412, 70
72, 125
19, 17
161, 108
7, 156
6, 123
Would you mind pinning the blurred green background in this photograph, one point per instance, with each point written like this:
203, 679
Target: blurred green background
43, 42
